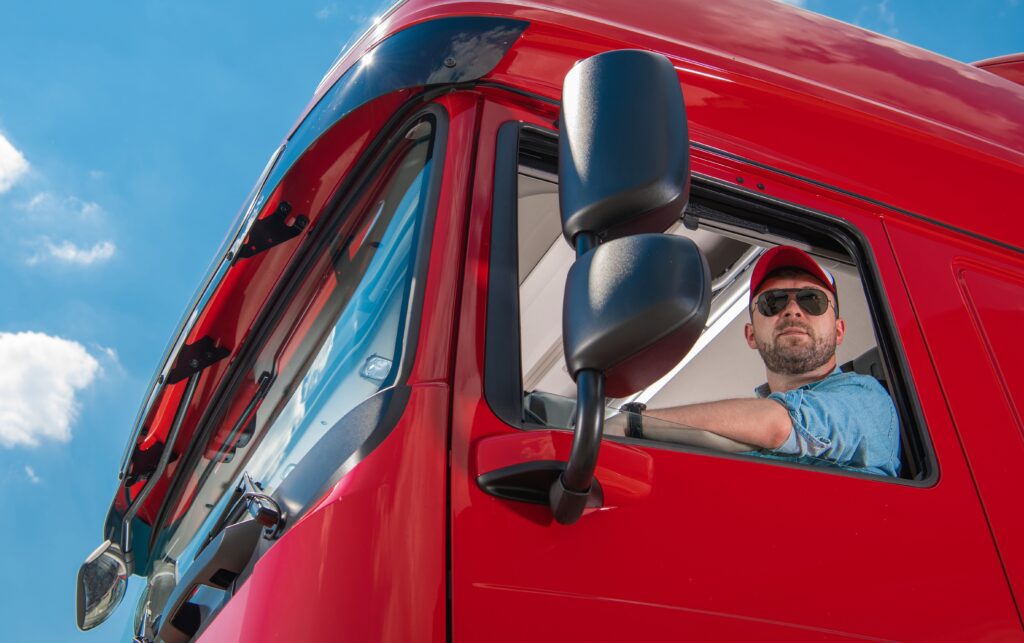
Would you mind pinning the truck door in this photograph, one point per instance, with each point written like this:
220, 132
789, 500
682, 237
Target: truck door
688, 542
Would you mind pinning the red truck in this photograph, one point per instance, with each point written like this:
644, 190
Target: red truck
394, 410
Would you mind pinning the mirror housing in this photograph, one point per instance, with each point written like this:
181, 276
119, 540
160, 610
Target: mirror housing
633, 308
102, 580
624, 158
635, 302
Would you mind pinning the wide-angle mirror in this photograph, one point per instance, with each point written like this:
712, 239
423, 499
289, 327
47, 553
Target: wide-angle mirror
102, 580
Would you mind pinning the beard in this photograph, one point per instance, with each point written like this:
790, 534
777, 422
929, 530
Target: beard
787, 358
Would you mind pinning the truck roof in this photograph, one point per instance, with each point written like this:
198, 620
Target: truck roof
791, 89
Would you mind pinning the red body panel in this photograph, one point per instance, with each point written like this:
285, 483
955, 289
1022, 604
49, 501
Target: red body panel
719, 548
970, 301
1009, 67
368, 563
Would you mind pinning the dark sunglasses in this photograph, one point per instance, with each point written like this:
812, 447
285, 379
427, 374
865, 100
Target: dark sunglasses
811, 300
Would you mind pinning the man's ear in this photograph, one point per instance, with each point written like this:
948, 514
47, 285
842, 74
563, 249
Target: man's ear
748, 332
840, 330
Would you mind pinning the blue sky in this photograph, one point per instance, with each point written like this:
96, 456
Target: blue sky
129, 136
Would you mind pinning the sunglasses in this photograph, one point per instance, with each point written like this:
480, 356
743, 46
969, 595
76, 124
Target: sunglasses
811, 300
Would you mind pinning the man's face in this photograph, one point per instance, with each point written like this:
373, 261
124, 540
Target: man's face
795, 342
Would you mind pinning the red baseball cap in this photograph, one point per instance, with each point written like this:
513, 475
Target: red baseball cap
788, 257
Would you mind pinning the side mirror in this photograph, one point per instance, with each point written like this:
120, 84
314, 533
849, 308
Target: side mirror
102, 580
635, 302
633, 308
624, 157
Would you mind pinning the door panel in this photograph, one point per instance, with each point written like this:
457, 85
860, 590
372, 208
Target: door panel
716, 547
970, 300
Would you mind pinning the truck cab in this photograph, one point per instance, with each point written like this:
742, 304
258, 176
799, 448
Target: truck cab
404, 402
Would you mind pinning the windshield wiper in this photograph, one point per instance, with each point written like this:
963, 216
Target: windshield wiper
247, 485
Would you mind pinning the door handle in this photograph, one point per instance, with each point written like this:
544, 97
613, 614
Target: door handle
521, 467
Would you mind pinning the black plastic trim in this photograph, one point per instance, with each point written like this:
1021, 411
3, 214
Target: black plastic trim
531, 482
503, 379
709, 191
272, 230
195, 357
352, 438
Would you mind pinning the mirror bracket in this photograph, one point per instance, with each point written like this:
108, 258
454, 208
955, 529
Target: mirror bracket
570, 491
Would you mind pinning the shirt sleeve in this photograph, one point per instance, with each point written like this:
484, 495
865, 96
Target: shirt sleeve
839, 422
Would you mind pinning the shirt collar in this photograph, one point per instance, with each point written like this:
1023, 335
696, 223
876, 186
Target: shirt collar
764, 391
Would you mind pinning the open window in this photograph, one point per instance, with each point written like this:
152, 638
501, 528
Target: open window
732, 228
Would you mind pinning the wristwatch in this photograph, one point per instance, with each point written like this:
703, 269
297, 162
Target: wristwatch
634, 421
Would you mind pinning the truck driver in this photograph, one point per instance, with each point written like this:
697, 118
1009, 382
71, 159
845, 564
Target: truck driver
808, 410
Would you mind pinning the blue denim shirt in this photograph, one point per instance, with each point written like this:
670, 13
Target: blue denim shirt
846, 420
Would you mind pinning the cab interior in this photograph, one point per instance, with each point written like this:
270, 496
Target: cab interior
721, 365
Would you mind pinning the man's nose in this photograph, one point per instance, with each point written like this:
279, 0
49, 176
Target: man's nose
792, 309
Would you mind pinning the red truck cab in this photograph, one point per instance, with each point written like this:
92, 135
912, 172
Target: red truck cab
369, 423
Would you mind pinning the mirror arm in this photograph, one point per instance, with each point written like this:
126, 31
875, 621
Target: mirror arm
570, 492
585, 241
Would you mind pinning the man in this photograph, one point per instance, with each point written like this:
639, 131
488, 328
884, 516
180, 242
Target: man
808, 410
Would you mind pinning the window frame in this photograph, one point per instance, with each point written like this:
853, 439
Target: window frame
503, 385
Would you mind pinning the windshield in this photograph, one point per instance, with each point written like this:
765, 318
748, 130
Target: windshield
342, 339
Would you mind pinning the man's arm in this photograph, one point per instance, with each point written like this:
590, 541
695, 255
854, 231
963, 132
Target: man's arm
761, 423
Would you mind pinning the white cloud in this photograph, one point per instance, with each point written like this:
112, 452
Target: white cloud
109, 352
325, 12
39, 378
31, 473
68, 252
49, 204
13, 165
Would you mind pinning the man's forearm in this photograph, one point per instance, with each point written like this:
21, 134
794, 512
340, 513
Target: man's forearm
762, 423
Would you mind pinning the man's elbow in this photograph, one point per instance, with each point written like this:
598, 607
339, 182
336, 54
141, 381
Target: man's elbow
778, 429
